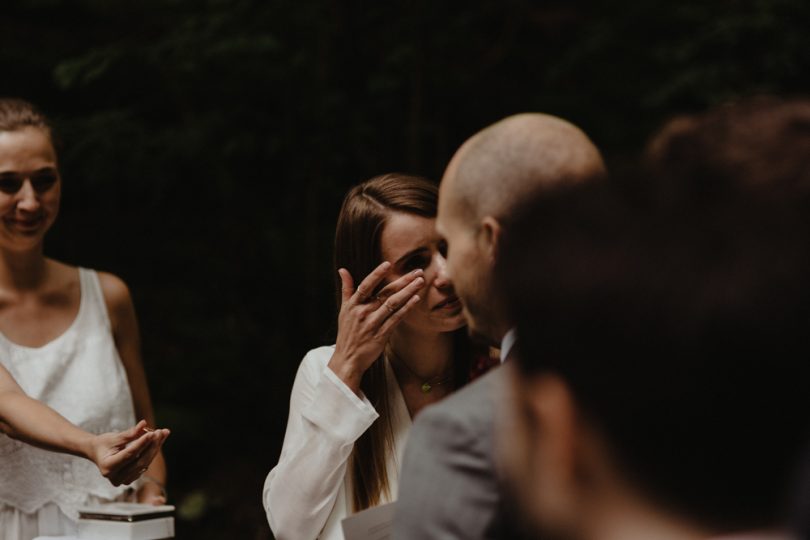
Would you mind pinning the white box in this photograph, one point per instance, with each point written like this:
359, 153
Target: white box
126, 521
150, 529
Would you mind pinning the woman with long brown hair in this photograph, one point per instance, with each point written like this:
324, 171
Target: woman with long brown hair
400, 346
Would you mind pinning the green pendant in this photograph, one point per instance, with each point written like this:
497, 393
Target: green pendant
426, 387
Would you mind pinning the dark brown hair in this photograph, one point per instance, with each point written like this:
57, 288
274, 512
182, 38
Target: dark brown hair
362, 218
17, 114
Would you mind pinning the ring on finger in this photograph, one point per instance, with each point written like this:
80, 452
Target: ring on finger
389, 308
362, 297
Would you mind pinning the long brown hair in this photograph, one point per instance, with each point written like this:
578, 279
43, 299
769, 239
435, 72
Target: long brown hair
360, 224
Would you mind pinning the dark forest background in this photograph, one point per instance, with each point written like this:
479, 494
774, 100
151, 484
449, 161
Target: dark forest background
206, 146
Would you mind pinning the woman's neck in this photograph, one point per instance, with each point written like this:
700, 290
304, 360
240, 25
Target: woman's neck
427, 355
22, 270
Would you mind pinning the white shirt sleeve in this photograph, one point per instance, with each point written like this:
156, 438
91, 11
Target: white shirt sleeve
326, 418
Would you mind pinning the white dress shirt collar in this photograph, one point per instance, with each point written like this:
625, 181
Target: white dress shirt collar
507, 343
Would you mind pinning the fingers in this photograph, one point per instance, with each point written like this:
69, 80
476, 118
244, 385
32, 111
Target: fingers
126, 460
117, 466
132, 446
133, 433
346, 284
136, 467
396, 301
399, 284
392, 321
367, 286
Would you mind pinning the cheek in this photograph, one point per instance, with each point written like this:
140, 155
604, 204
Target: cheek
51, 199
54, 196
464, 261
525, 467
51, 206
6, 202
515, 437
518, 434
418, 316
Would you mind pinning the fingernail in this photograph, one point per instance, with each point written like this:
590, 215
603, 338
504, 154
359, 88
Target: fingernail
417, 272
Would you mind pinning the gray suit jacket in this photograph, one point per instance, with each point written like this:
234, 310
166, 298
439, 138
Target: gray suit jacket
449, 484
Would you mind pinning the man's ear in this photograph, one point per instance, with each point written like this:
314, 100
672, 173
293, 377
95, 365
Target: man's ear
490, 237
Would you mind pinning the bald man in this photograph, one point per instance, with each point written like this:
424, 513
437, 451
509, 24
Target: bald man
450, 485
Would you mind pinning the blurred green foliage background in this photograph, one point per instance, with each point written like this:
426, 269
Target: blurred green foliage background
206, 146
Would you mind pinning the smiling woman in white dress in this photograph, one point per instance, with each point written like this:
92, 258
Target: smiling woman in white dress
68, 336
400, 346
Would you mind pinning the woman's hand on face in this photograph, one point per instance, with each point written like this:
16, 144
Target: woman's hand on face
366, 320
123, 457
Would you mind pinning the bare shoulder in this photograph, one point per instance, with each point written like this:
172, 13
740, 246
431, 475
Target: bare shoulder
116, 292
117, 298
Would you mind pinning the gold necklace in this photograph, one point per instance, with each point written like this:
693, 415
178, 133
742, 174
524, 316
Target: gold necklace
426, 385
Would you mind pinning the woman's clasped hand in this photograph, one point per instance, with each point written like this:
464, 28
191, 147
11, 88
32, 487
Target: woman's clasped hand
367, 319
123, 457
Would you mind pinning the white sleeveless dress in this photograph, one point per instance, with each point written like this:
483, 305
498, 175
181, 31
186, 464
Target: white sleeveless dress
80, 375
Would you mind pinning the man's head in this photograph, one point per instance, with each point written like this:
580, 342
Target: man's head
662, 348
487, 180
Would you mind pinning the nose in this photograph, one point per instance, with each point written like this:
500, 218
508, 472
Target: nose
442, 280
27, 198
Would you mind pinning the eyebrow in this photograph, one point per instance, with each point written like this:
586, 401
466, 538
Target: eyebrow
410, 253
13, 174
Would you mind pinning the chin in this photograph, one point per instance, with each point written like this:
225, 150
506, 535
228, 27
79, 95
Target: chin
460, 322
445, 327
21, 243
451, 323
457, 326
473, 327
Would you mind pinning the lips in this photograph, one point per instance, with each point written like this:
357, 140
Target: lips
451, 302
25, 224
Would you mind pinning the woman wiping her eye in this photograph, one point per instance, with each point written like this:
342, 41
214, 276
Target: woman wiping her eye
401, 345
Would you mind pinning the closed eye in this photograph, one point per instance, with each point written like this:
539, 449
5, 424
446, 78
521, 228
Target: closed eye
41, 181
44, 180
414, 262
10, 183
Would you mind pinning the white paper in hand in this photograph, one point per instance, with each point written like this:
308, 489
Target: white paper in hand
371, 524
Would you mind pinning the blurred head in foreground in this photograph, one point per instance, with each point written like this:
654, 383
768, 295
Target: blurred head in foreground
758, 146
662, 373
